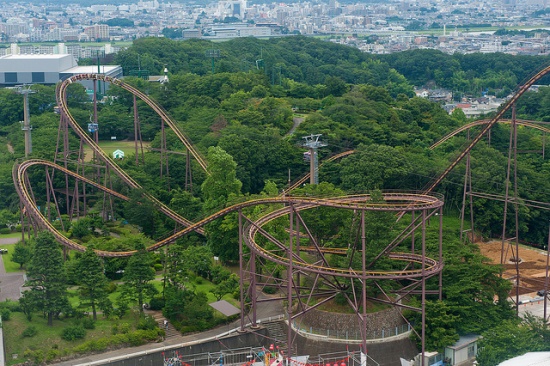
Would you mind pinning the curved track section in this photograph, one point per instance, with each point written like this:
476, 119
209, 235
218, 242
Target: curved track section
521, 122
18, 175
488, 126
61, 96
392, 202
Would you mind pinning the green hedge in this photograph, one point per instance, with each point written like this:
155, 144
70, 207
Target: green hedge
135, 338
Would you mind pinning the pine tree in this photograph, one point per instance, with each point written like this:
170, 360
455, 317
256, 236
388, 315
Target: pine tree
137, 278
47, 278
92, 280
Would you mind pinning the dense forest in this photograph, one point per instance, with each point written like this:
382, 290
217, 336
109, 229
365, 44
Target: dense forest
247, 112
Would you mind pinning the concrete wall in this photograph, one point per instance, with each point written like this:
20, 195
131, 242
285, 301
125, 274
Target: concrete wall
321, 321
385, 353
156, 358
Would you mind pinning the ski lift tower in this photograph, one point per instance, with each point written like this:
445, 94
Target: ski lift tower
312, 143
25, 90
213, 54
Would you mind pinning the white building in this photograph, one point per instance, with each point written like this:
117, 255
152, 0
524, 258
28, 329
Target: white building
18, 69
529, 359
465, 349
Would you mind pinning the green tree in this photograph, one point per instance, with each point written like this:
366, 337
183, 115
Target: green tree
474, 290
512, 338
46, 277
137, 278
227, 286
143, 213
81, 228
22, 254
440, 326
217, 189
27, 305
8, 218
374, 167
91, 279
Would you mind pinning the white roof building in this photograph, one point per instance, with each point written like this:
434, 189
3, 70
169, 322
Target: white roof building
16, 69
529, 359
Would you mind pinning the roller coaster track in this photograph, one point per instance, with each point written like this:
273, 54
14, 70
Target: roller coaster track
521, 122
415, 202
397, 202
61, 96
393, 202
522, 89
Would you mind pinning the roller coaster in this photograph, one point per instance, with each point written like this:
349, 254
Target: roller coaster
413, 267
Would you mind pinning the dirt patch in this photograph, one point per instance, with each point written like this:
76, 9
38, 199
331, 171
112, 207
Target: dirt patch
532, 265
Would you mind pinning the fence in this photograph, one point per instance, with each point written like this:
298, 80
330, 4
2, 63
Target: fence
347, 335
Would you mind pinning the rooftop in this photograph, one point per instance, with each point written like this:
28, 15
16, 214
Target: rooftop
529, 359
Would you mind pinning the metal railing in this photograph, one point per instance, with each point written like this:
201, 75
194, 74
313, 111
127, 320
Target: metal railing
350, 335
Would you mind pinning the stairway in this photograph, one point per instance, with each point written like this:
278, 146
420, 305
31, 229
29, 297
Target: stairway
159, 318
277, 332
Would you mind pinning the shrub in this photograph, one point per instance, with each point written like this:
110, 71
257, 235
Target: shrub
111, 287
37, 356
88, 323
158, 267
198, 280
6, 314
147, 323
124, 328
5, 230
156, 303
73, 333
270, 290
52, 355
10, 304
114, 329
136, 338
18, 228
31, 331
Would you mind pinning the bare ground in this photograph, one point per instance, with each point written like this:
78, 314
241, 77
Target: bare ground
532, 265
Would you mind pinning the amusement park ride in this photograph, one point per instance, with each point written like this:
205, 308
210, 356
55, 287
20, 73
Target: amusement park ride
310, 280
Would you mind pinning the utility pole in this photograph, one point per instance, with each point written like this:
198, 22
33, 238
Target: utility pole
26, 123
312, 143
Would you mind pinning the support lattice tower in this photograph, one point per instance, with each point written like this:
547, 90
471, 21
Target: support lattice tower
312, 143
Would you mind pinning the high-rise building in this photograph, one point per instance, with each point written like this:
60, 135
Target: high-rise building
97, 31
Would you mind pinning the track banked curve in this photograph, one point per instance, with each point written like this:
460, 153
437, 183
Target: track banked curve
431, 267
61, 96
392, 202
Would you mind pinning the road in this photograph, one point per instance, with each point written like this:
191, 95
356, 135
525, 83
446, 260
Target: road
10, 283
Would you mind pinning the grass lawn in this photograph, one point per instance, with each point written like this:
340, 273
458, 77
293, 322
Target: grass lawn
6, 258
205, 286
109, 146
47, 338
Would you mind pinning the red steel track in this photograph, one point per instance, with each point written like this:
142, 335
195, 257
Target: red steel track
522, 89
393, 201
61, 96
521, 122
414, 266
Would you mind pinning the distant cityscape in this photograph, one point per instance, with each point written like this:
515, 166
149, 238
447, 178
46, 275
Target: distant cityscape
384, 27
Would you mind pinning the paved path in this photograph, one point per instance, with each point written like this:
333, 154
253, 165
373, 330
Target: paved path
10, 283
297, 121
